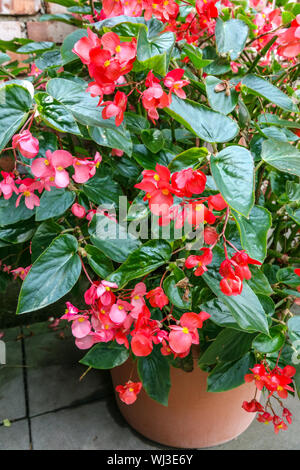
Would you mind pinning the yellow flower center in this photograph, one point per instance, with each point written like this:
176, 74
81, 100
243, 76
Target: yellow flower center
130, 389
106, 63
118, 48
120, 307
198, 208
185, 330
136, 297
26, 193
81, 320
46, 162
60, 168
107, 288
165, 192
156, 177
106, 327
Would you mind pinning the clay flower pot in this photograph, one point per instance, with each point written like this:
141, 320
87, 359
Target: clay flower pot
194, 418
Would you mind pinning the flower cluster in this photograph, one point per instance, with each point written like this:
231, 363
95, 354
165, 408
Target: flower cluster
276, 381
49, 171
163, 10
127, 320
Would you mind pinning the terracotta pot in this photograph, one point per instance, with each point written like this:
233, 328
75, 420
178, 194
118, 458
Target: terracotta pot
194, 418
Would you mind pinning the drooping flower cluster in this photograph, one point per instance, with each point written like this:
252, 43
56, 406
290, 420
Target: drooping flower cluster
126, 319
234, 271
163, 10
277, 382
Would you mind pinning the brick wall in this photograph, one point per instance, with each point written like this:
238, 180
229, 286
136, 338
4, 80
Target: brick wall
19, 19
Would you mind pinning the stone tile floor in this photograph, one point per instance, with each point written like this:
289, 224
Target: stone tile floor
48, 407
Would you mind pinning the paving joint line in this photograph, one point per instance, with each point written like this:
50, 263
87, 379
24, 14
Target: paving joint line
26, 392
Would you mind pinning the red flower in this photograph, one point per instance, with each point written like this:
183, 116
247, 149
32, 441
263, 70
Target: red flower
182, 337
259, 375
188, 182
173, 80
287, 415
200, 261
210, 235
216, 202
157, 298
83, 47
252, 406
231, 284
128, 392
241, 261
115, 108
279, 424
289, 40
154, 97
265, 417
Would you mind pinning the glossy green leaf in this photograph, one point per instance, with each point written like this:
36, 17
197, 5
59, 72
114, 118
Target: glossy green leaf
268, 344
142, 261
293, 191
259, 282
34, 47
265, 89
231, 37
220, 314
253, 231
228, 346
245, 308
228, 375
98, 261
281, 155
154, 52
154, 372
112, 238
54, 203
233, 172
153, 139
118, 138
195, 54
102, 189
209, 125
105, 356
288, 276
218, 100
55, 114
51, 276
294, 214
4, 58
10, 214
15, 103
189, 158
274, 120
44, 235
16, 235
294, 328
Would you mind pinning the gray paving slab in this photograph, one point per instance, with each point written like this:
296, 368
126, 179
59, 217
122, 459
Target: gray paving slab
53, 372
96, 426
12, 396
15, 437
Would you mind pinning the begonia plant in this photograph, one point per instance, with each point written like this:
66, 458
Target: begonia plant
155, 154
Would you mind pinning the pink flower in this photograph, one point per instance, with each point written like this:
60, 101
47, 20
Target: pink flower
83, 47
78, 210
7, 185
26, 189
200, 261
81, 326
21, 272
117, 152
118, 312
53, 166
182, 337
27, 145
137, 299
173, 80
85, 168
128, 392
115, 108
71, 312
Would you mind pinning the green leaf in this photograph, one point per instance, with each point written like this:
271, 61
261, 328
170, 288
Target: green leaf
245, 308
154, 372
153, 139
16, 235
265, 89
34, 47
49, 60
15, 103
118, 138
68, 44
55, 114
175, 294
142, 261
288, 276
220, 314
253, 231
102, 189
51, 276
267, 304
44, 235
10, 214
228, 375
294, 328
228, 346
105, 356
154, 52
233, 172
268, 344
273, 120
209, 125
231, 37
189, 158
195, 54
218, 100
98, 261
54, 203
293, 191
259, 282
281, 155
4, 58
294, 214
135, 122
112, 239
